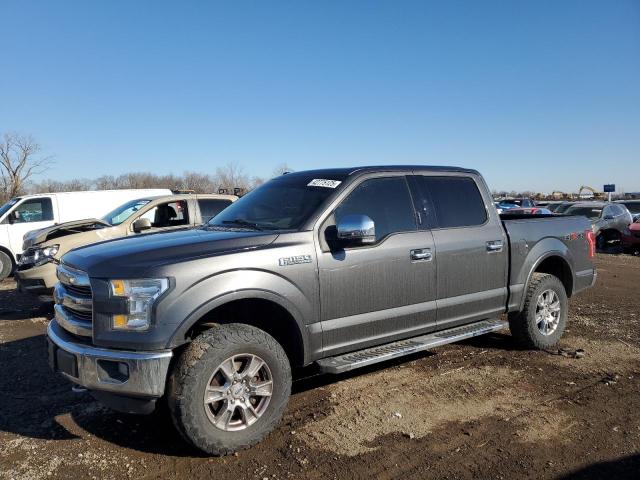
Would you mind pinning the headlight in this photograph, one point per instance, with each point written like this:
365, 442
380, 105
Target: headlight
141, 294
39, 256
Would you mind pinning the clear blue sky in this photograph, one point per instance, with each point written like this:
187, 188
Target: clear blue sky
539, 95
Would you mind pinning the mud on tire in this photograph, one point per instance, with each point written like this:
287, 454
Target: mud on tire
199, 368
525, 325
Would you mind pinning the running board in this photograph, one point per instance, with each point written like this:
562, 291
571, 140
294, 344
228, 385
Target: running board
381, 353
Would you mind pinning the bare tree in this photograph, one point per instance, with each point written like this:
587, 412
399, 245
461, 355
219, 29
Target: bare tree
232, 176
281, 169
20, 159
198, 182
73, 185
106, 182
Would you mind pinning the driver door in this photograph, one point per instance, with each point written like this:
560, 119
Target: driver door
375, 293
31, 214
166, 216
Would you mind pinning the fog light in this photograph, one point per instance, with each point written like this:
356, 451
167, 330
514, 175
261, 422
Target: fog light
110, 371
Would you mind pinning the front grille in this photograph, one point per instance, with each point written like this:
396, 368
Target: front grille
78, 290
74, 302
88, 316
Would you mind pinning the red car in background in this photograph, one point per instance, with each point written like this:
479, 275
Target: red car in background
527, 211
631, 238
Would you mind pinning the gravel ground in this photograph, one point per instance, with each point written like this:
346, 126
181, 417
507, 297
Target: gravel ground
479, 409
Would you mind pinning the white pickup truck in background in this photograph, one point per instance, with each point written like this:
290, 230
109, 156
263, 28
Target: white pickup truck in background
32, 212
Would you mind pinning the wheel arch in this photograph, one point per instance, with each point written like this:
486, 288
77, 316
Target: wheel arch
14, 261
553, 263
610, 233
259, 308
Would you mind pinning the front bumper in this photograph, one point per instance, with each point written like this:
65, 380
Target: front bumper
37, 280
124, 373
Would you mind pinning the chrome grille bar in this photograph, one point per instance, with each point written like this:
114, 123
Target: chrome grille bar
74, 302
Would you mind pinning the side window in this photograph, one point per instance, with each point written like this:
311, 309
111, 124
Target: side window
34, 210
171, 214
386, 201
457, 201
209, 208
608, 211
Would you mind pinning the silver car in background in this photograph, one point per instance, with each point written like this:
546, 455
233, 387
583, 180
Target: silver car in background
633, 206
609, 220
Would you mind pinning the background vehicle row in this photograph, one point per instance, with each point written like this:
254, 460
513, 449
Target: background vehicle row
43, 248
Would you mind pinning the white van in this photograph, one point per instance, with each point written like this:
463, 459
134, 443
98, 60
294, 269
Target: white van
32, 212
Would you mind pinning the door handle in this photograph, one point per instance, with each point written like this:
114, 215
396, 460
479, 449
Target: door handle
421, 254
495, 246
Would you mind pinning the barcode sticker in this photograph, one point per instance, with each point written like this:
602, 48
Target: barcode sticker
321, 182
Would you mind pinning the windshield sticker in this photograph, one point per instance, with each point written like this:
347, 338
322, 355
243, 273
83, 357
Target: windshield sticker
321, 182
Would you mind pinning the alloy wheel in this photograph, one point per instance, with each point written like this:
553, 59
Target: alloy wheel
238, 392
548, 312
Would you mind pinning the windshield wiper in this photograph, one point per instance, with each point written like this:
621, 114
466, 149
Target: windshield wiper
243, 223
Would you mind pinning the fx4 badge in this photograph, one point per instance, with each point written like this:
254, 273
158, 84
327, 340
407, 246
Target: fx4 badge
296, 259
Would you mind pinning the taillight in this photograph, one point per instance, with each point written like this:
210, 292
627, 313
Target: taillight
591, 240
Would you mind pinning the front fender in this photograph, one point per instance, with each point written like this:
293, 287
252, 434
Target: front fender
224, 287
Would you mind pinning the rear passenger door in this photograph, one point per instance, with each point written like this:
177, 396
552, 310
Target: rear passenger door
376, 293
471, 248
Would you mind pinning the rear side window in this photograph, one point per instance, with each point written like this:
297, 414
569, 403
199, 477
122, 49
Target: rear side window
619, 210
457, 202
634, 207
34, 210
386, 201
209, 208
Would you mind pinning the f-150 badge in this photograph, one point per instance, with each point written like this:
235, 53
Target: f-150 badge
295, 260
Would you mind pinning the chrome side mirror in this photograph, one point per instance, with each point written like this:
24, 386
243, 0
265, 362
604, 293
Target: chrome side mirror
356, 229
141, 224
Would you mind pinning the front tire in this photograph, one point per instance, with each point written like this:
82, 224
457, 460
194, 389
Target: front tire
543, 319
6, 265
229, 388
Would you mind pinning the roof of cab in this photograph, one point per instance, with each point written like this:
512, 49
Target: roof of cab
347, 171
186, 196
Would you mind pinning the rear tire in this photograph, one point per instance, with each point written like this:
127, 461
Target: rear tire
6, 265
215, 376
543, 319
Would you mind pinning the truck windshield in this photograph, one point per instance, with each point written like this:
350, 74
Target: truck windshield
7, 206
284, 203
120, 214
590, 212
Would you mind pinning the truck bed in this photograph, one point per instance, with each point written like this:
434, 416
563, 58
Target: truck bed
534, 238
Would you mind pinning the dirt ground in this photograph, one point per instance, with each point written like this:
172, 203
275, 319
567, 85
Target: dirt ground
479, 409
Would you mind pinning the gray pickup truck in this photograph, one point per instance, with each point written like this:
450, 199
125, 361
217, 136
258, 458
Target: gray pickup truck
339, 268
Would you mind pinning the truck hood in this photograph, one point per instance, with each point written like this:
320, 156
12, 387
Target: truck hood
133, 256
61, 230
